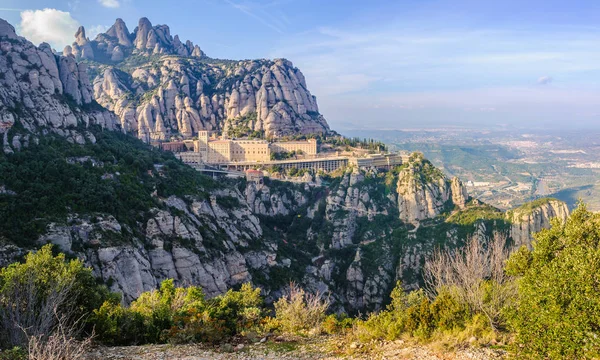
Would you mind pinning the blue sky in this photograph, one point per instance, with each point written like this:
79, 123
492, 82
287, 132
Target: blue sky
384, 64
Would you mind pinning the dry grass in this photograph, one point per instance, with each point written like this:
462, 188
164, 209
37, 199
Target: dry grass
301, 312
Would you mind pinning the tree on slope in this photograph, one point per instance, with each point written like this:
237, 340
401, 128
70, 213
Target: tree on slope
558, 312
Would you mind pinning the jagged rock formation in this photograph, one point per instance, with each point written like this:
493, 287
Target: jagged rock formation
43, 91
117, 41
159, 86
533, 217
141, 264
424, 191
178, 96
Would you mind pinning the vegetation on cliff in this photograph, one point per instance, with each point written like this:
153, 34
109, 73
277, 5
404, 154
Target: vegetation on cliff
117, 174
473, 295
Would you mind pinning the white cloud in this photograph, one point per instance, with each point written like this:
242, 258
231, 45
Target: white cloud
545, 80
48, 25
93, 31
110, 3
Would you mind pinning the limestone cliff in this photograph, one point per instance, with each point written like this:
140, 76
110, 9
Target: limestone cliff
43, 91
159, 86
533, 217
424, 191
338, 235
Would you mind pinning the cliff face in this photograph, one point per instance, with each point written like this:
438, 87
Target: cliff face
424, 192
204, 244
43, 91
341, 236
182, 96
159, 86
533, 217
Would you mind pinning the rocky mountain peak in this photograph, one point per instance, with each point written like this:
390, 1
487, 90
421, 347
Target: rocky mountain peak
80, 38
424, 191
119, 31
117, 43
7, 30
142, 32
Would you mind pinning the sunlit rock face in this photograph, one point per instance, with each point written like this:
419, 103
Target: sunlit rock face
159, 86
45, 92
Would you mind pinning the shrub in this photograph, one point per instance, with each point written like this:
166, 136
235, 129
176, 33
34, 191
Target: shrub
117, 325
415, 315
44, 295
336, 324
299, 312
402, 316
179, 315
15, 353
558, 313
476, 276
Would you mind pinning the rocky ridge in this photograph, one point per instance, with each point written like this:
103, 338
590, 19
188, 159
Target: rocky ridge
424, 192
533, 217
117, 43
45, 92
159, 86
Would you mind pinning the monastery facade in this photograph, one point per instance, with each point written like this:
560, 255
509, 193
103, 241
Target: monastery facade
221, 151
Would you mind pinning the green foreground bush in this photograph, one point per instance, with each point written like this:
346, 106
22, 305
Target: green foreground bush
179, 315
558, 312
299, 312
44, 294
416, 315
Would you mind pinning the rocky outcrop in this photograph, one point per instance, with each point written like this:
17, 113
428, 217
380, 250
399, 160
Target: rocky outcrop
179, 90
351, 200
424, 191
120, 32
173, 95
187, 247
533, 217
145, 39
44, 91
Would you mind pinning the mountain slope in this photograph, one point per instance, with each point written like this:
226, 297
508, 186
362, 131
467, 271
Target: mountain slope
44, 92
159, 86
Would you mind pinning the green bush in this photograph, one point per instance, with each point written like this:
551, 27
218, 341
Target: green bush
15, 353
558, 313
415, 315
337, 324
179, 315
43, 292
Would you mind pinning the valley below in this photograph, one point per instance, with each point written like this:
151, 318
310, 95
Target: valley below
506, 167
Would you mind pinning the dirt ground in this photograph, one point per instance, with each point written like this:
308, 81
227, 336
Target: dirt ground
273, 350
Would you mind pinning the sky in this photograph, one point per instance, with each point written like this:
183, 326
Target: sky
383, 64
